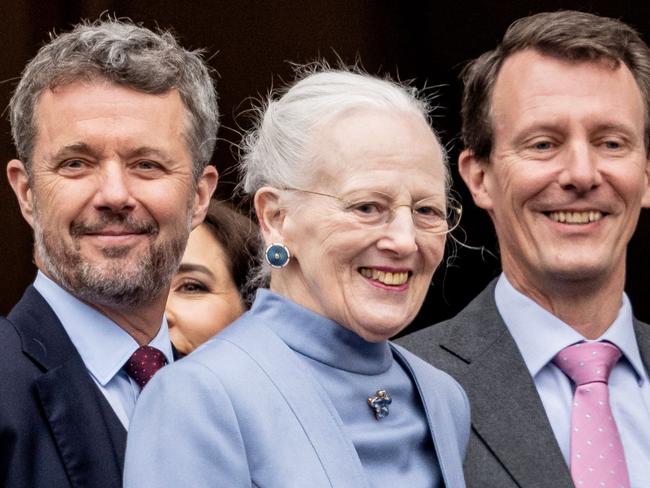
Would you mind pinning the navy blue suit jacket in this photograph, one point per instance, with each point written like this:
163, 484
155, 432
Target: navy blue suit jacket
56, 427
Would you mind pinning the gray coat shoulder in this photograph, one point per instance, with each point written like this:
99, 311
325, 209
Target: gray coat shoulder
474, 328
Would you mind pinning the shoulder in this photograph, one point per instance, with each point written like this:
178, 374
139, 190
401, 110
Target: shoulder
9, 337
642, 332
227, 362
17, 375
430, 377
185, 414
15, 365
642, 325
423, 341
480, 312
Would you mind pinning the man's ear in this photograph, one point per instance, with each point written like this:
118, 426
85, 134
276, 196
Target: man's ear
19, 181
645, 202
474, 174
204, 189
270, 214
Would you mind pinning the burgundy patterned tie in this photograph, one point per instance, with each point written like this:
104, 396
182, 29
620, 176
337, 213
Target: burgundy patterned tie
597, 456
144, 363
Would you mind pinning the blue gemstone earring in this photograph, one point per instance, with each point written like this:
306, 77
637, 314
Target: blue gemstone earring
277, 255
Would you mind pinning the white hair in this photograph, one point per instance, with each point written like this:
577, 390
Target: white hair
275, 152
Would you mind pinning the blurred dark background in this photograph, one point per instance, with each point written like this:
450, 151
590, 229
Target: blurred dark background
250, 44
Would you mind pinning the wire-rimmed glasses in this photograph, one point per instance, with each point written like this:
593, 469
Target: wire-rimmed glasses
375, 208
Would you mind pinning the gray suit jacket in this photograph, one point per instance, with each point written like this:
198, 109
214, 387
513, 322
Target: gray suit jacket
512, 444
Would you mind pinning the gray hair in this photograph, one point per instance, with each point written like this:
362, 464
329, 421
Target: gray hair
126, 54
276, 151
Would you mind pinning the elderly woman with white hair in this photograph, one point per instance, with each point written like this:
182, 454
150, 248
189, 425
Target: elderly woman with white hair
350, 187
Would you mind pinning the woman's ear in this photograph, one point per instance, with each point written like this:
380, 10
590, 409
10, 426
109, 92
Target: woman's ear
270, 214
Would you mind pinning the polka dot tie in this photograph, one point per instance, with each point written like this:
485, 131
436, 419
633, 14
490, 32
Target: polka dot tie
597, 457
144, 363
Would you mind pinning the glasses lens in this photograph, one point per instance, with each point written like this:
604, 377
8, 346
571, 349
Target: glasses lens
428, 215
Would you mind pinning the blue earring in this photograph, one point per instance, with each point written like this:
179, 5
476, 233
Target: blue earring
277, 255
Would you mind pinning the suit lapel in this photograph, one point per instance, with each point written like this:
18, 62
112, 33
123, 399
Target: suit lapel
92, 452
90, 439
445, 437
507, 413
309, 402
642, 332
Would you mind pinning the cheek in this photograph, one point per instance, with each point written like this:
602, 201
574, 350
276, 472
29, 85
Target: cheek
59, 201
200, 318
431, 250
166, 202
331, 251
515, 182
632, 186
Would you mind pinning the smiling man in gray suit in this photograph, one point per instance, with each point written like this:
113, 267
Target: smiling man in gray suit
555, 123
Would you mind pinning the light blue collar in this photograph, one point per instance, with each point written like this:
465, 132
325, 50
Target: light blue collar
540, 335
320, 338
103, 345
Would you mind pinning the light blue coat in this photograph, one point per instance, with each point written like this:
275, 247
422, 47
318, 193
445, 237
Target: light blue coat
244, 411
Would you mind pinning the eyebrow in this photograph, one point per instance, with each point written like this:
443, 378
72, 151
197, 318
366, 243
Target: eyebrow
77, 148
189, 267
149, 151
615, 127
386, 193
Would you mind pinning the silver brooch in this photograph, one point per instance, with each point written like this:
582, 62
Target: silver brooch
379, 403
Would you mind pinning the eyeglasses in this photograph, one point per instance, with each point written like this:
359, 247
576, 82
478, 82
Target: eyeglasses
377, 208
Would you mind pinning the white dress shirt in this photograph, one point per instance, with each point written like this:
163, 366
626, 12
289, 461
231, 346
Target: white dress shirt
103, 345
540, 336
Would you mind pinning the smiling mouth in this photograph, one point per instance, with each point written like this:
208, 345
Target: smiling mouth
575, 218
385, 277
115, 236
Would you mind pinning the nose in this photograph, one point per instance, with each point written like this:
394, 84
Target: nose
399, 233
581, 171
114, 193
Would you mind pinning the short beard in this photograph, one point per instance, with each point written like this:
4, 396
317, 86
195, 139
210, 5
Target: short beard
111, 283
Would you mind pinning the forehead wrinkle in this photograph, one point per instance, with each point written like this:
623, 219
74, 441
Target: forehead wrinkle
77, 148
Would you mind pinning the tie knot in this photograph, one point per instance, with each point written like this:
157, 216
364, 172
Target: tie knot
588, 362
144, 363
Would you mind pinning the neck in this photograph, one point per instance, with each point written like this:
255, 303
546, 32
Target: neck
141, 322
588, 306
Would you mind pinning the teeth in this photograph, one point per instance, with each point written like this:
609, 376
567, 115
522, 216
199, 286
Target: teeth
576, 217
387, 278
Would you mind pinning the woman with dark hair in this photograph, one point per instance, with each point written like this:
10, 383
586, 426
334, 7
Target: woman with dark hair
207, 292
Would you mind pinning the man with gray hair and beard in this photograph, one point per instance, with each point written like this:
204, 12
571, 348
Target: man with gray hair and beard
114, 126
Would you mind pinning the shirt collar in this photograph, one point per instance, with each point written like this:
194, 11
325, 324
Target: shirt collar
540, 335
103, 345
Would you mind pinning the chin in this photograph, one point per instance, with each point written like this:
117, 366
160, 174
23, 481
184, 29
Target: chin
380, 329
577, 272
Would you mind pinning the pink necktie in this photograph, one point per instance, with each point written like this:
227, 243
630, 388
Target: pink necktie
144, 363
597, 458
